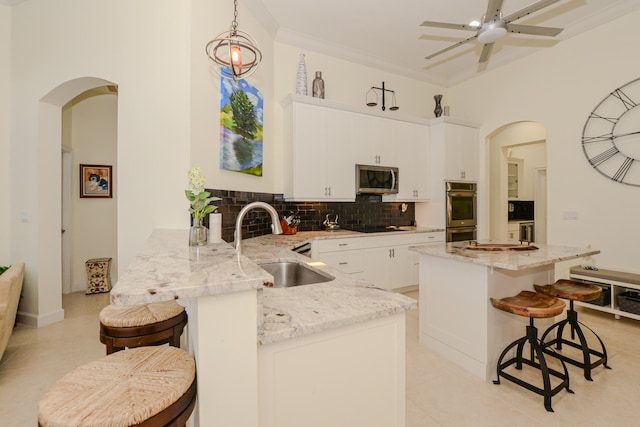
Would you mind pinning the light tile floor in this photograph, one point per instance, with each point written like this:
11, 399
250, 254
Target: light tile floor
439, 393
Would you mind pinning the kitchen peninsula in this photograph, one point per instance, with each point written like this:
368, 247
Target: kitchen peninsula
456, 282
254, 346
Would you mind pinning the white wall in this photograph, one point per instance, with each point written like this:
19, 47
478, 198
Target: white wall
208, 19
558, 87
147, 54
5, 133
93, 124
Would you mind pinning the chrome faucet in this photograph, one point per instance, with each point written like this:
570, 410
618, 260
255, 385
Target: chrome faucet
275, 221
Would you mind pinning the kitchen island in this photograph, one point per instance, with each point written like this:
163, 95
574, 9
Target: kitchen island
342, 340
456, 282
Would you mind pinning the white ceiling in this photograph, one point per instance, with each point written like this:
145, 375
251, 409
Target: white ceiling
387, 34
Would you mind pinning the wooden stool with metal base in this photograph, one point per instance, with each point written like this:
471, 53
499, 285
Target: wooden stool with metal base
532, 305
144, 386
141, 325
574, 291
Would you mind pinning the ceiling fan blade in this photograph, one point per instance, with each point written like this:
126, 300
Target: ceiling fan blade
449, 26
486, 52
535, 30
493, 10
453, 46
529, 9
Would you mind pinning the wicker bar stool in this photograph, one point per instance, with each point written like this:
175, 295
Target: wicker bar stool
142, 325
574, 291
144, 386
532, 305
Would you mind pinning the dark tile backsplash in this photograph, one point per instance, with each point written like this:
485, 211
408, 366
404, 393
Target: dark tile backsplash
366, 210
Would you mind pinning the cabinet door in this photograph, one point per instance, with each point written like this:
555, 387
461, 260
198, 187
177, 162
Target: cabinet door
309, 152
412, 147
461, 152
468, 153
339, 156
374, 140
376, 264
404, 267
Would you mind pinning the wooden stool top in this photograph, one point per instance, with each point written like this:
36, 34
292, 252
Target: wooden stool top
571, 289
530, 304
127, 316
122, 389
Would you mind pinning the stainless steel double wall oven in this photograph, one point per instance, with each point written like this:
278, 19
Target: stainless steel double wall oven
462, 211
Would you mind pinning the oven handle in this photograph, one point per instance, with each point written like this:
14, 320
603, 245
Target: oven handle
461, 193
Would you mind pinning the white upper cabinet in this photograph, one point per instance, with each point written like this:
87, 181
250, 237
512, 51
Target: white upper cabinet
457, 144
374, 138
323, 141
318, 154
413, 145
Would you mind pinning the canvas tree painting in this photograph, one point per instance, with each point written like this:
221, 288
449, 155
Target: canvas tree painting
241, 120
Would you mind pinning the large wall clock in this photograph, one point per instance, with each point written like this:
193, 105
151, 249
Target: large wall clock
611, 135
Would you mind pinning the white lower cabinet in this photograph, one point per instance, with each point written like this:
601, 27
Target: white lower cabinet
384, 260
348, 376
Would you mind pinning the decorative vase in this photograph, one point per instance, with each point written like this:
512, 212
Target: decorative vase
318, 86
301, 80
438, 109
198, 234
215, 224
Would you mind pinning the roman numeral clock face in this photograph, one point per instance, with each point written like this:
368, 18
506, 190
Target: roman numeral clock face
611, 135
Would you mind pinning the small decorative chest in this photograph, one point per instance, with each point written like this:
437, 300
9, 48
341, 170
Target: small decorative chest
98, 275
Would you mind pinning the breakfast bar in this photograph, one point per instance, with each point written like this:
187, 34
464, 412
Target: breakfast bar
311, 355
456, 281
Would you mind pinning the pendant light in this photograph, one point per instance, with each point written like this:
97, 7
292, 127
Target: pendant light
235, 52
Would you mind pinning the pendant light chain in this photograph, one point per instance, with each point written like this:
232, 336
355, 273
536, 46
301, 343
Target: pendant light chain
234, 23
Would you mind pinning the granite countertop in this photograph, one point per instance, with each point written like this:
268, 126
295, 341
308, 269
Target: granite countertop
508, 260
167, 268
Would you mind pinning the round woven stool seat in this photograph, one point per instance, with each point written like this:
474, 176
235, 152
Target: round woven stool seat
145, 386
125, 316
571, 290
530, 304
141, 325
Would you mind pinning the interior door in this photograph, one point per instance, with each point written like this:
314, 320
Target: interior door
65, 226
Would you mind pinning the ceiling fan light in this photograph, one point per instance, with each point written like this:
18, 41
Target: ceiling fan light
491, 33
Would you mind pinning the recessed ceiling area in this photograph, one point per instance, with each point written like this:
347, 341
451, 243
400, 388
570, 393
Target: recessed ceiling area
387, 35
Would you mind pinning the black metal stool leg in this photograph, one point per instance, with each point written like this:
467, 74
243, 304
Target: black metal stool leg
586, 364
537, 351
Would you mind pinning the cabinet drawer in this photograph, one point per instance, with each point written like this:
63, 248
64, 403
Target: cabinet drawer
347, 262
430, 237
332, 245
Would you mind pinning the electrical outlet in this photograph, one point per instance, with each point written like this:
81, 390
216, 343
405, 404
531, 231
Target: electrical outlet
570, 215
24, 217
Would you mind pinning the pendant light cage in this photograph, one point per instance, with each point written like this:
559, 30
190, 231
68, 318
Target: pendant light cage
235, 53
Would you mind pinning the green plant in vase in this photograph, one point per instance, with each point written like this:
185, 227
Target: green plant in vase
201, 206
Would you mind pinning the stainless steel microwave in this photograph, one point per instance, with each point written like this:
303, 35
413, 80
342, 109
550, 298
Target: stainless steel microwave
372, 179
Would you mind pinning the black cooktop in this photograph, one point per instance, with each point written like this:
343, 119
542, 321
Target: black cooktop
371, 228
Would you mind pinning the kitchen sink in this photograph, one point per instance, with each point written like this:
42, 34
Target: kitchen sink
287, 274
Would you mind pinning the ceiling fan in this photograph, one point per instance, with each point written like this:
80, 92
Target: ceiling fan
494, 26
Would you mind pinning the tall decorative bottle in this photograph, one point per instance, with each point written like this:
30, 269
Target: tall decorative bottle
301, 80
318, 86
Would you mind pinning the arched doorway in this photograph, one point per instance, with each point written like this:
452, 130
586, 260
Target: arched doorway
50, 112
524, 144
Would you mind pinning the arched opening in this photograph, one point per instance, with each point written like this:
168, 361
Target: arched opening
517, 172
53, 140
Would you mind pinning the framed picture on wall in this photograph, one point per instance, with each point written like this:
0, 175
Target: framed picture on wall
96, 181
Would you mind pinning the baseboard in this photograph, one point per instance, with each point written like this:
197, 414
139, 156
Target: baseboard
36, 321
